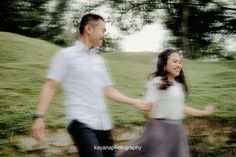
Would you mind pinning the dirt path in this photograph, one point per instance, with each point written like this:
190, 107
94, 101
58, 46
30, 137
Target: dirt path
206, 138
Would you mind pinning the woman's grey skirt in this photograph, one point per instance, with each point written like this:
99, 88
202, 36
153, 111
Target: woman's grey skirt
161, 138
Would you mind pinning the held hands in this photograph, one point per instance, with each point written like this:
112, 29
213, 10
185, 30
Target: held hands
38, 129
142, 104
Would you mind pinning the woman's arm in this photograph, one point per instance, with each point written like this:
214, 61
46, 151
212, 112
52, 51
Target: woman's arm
196, 112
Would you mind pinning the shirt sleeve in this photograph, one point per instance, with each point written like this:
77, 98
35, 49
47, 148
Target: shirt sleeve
58, 66
150, 93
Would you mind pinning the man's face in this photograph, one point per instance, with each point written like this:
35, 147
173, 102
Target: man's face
98, 33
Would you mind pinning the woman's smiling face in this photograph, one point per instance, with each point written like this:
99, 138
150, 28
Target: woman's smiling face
173, 65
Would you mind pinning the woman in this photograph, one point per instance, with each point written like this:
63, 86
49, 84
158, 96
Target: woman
164, 135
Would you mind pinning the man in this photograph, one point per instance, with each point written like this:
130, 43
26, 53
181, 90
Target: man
85, 83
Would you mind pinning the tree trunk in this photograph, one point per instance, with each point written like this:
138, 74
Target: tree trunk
184, 29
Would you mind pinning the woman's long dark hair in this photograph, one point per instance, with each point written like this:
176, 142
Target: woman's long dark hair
160, 71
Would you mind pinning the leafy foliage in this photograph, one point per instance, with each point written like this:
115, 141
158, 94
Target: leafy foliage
193, 23
22, 16
32, 18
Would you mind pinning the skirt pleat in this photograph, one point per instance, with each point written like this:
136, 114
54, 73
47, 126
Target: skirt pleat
161, 138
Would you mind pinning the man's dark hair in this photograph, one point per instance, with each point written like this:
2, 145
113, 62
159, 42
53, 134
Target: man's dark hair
88, 18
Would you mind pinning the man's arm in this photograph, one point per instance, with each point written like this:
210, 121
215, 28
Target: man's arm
115, 95
44, 101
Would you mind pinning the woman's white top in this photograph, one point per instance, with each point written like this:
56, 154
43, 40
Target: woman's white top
168, 103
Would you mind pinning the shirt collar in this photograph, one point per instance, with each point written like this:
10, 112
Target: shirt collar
83, 48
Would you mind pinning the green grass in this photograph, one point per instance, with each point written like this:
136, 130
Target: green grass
213, 84
24, 62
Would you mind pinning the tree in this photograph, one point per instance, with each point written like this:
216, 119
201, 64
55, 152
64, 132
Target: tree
200, 21
54, 22
110, 44
32, 18
193, 23
22, 16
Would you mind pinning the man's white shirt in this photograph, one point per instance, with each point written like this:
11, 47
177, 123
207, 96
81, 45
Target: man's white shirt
83, 76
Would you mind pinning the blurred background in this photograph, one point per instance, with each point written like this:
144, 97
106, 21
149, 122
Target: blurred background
31, 31
198, 27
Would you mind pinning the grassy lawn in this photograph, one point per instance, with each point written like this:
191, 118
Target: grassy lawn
24, 62
212, 83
